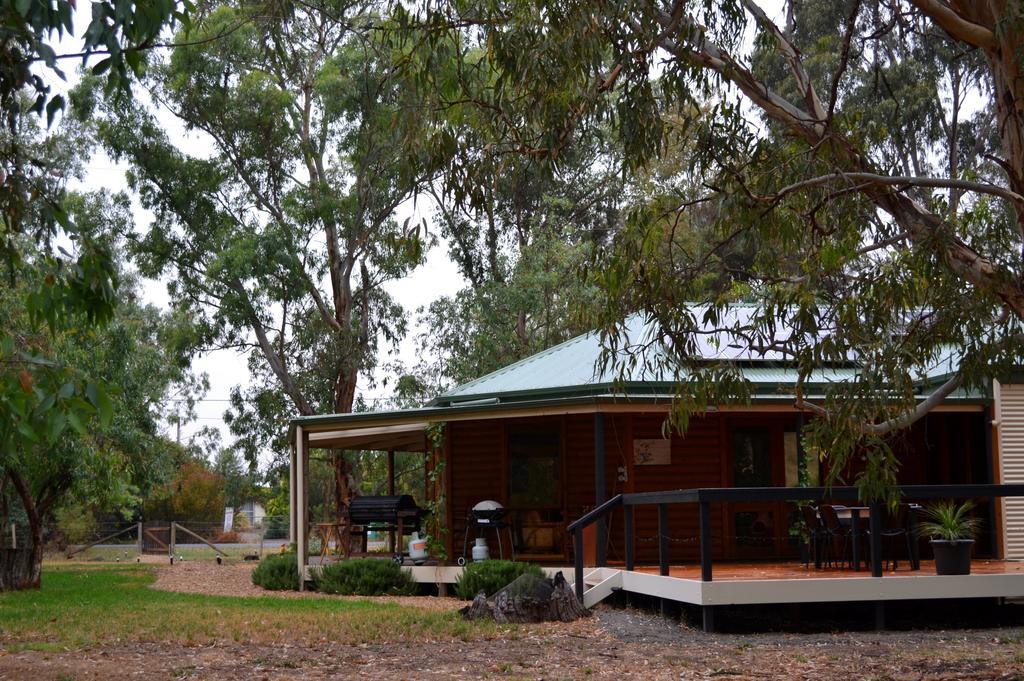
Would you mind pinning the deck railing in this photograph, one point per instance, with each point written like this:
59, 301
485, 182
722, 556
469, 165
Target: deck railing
706, 496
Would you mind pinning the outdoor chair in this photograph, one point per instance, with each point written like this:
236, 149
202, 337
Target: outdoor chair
817, 536
896, 524
837, 531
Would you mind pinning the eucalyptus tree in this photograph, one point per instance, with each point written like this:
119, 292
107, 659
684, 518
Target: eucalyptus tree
50, 289
86, 405
521, 250
280, 233
868, 154
34, 168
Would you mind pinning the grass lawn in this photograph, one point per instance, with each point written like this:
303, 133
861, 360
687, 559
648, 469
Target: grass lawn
128, 554
82, 605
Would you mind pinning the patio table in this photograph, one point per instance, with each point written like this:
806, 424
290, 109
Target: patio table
854, 515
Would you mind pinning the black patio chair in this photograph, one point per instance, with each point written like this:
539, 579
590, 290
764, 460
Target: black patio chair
896, 524
817, 536
837, 531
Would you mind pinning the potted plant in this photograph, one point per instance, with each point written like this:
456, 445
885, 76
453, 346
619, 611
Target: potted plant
952, 531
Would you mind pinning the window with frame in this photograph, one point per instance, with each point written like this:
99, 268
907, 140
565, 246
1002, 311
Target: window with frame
535, 468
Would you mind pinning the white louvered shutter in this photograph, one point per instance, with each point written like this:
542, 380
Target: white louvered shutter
1011, 464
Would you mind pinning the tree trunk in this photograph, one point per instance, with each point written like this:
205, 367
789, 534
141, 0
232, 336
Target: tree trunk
529, 599
35, 525
344, 395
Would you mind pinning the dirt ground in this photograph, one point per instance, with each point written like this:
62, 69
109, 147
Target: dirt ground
614, 644
234, 579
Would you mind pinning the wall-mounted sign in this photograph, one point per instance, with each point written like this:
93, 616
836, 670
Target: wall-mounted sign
652, 452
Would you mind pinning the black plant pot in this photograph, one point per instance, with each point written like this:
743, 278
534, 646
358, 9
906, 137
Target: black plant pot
952, 557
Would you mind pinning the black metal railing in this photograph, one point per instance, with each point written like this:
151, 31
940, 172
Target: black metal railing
704, 497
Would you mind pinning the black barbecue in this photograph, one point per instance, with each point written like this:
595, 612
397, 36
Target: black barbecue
397, 513
488, 515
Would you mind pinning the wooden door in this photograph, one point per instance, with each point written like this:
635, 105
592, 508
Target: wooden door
755, 530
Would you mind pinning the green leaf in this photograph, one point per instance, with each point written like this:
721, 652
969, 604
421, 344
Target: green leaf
75, 421
27, 431
47, 54
101, 67
105, 407
52, 107
55, 425
66, 391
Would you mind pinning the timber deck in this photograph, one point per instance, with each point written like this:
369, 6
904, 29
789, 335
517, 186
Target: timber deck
747, 571
767, 583
773, 583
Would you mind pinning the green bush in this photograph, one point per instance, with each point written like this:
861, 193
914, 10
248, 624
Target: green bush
277, 572
490, 575
77, 524
365, 577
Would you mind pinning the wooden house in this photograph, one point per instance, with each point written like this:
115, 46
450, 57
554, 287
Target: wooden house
551, 438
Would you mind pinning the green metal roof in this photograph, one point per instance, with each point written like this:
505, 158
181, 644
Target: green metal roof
566, 375
571, 369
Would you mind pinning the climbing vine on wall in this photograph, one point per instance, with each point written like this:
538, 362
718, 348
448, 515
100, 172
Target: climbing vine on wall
437, 524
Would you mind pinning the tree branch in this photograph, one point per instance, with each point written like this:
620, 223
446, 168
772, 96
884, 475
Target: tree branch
851, 23
904, 180
792, 56
955, 25
925, 406
903, 420
278, 367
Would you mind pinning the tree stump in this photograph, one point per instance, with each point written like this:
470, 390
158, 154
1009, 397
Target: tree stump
529, 599
15, 569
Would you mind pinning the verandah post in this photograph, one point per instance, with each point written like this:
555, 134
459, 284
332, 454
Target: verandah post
663, 539
300, 505
705, 541
627, 522
875, 525
577, 547
599, 489
292, 497
391, 492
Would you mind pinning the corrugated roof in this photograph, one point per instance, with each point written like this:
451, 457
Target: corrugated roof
565, 377
572, 367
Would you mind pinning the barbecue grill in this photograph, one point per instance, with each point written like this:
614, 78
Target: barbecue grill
488, 514
397, 513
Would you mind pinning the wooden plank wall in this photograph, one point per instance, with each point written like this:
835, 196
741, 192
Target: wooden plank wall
477, 452
696, 462
580, 495
943, 448
477, 470
578, 448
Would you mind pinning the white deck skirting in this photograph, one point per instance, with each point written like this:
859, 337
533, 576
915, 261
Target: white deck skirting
602, 582
845, 589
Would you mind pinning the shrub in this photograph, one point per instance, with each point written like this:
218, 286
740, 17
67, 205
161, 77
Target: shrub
230, 537
76, 523
490, 575
364, 577
277, 572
